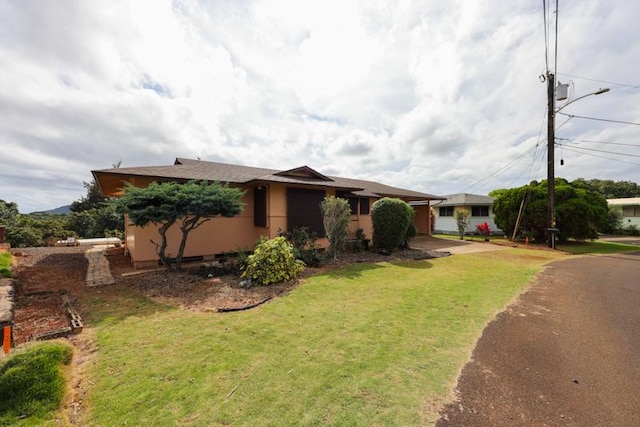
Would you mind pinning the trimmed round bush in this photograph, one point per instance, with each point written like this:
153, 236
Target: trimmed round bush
273, 261
391, 220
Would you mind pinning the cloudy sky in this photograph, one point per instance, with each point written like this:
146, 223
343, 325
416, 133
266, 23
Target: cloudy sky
436, 96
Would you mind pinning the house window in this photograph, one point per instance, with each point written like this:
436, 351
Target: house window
303, 210
446, 211
631, 211
479, 210
364, 206
260, 206
353, 201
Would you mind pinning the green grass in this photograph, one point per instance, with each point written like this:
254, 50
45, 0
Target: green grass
5, 264
372, 344
596, 247
32, 384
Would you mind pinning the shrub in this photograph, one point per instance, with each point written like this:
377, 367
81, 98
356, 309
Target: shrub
462, 220
412, 230
32, 383
273, 261
390, 223
335, 218
483, 229
304, 244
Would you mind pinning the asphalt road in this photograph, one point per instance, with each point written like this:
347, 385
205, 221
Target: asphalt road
567, 353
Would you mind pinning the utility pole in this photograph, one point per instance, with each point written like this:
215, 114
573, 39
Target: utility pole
551, 140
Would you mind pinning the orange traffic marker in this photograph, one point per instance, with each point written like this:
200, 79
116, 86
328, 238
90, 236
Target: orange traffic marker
6, 340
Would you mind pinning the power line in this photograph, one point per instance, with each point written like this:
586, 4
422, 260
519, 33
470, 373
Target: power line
598, 119
575, 150
604, 151
508, 166
555, 63
601, 81
546, 33
608, 142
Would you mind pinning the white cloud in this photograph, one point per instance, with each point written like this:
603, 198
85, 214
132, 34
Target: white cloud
434, 96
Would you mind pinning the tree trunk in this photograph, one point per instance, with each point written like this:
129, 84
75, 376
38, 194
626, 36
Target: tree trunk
163, 246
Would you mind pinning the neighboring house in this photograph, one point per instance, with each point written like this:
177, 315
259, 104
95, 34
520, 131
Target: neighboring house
274, 201
479, 208
630, 208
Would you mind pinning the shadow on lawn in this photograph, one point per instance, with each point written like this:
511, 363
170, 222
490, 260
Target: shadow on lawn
119, 305
355, 270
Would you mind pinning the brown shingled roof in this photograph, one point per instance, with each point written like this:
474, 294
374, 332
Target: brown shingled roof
189, 169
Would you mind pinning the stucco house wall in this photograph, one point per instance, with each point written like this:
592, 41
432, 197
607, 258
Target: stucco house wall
220, 235
630, 208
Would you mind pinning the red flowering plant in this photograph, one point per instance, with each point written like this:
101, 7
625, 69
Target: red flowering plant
483, 229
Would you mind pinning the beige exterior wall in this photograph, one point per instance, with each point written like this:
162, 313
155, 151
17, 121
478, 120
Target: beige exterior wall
220, 235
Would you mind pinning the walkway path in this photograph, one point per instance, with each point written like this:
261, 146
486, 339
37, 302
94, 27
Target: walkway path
453, 246
98, 272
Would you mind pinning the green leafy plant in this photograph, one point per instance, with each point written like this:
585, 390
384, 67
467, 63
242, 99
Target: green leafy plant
273, 261
304, 244
391, 220
361, 242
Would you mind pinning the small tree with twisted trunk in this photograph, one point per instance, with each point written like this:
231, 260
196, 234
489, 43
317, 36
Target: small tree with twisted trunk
189, 205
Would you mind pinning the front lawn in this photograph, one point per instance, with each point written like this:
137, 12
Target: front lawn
371, 344
596, 247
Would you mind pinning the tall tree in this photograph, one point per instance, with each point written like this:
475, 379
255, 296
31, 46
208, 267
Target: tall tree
94, 199
610, 189
580, 212
188, 205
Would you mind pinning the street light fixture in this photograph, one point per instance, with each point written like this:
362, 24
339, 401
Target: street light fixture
551, 137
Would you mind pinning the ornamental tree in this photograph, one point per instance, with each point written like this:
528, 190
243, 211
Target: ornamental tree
462, 220
188, 205
335, 218
580, 212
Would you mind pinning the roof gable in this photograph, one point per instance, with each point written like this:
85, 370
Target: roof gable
304, 172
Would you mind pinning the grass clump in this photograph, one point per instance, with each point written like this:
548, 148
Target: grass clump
5, 264
32, 383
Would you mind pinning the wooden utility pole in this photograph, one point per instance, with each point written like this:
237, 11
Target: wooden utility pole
551, 139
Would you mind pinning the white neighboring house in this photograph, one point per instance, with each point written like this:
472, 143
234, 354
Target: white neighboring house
478, 207
630, 208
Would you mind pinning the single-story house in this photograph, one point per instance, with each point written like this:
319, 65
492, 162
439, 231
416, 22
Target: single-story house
630, 208
274, 201
478, 207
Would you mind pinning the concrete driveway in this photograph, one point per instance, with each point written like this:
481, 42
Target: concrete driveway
453, 246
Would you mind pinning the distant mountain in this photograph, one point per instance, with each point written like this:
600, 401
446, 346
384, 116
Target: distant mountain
62, 210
